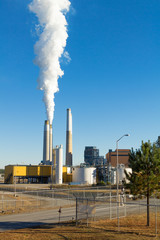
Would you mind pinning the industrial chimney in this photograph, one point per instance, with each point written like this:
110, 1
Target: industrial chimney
46, 143
69, 138
50, 144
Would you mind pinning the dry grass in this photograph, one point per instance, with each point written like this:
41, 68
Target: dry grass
25, 204
131, 228
16, 204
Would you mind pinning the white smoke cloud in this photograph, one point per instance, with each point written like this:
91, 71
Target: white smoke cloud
67, 56
49, 48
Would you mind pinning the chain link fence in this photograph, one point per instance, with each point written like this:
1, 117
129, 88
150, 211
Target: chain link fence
33, 200
91, 204
12, 198
124, 211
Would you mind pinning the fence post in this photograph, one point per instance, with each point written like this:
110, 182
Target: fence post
118, 211
52, 200
156, 219
110, 206
59, 214
37, 199
6, 205
2, 202
87, 212
155, 202
125, 201
21, 201
68, 197
76, 212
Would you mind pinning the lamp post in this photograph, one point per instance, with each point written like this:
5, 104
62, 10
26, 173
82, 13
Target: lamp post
117, 177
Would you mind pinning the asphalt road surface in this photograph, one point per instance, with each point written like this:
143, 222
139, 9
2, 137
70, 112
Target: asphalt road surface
17, 221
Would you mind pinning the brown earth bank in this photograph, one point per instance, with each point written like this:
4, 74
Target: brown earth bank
131, 228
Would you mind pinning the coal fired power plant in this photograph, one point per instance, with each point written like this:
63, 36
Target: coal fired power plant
69, 138
51, 169
48, 142
54, 156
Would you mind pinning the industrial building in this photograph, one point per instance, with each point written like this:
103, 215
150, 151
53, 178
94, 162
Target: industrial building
91, 156
51, 169
34, 174
47, 174
123, 157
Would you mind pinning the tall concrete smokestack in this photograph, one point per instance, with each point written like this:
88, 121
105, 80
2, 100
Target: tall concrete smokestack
69, 138
46, 142
50, 144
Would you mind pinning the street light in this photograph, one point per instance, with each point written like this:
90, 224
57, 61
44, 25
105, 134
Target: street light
117, 177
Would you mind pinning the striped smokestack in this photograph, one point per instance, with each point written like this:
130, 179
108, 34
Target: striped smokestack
69, 138
46, 142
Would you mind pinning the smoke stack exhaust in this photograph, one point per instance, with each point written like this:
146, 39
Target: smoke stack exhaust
69, 138
46, 142
52, 25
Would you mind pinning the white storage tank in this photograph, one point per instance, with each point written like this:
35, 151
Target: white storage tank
113, 176
128, 170
121, 172
84, 175
59, 163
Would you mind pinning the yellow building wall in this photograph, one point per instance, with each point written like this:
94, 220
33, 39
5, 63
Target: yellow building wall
67, 177
54, 173
45, 170
33, 171
19, 171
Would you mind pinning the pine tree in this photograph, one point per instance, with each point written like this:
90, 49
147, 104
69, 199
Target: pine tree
158, 142
145, 176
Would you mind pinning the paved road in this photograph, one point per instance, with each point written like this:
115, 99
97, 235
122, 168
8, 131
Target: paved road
17, 221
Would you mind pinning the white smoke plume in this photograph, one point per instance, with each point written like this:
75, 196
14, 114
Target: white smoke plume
50, 46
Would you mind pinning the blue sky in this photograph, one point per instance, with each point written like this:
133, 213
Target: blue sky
111, 84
